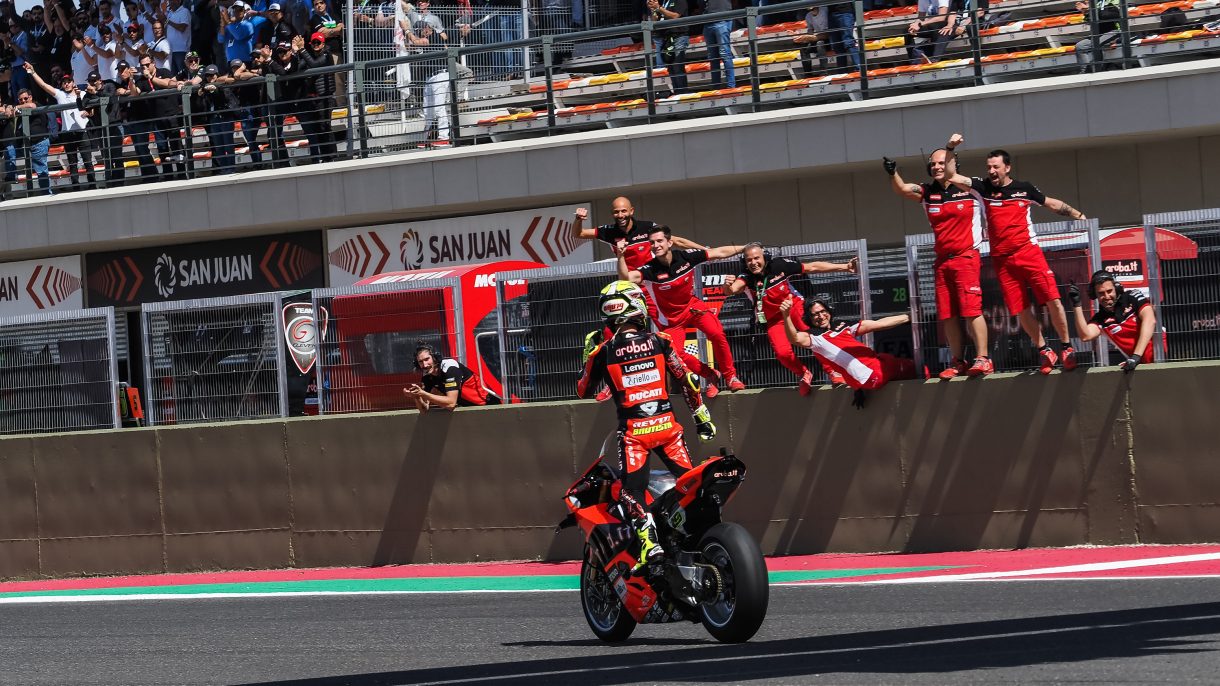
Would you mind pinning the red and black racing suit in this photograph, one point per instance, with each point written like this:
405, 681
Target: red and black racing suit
633, 365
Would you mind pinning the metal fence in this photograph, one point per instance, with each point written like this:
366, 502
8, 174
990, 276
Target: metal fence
215, 359
1181, 271
366, 352
753, 352
58, 372
1072, 249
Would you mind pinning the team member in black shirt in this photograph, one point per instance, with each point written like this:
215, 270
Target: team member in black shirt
1125, 317
446, 384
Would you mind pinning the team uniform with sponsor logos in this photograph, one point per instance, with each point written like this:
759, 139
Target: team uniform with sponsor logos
635, 366
956, 218
1122, 326
455, 376
673, 286
768, 291
859, 366
1015, 254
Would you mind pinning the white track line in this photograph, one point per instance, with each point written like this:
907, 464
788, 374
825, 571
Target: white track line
114, 597
1068, 569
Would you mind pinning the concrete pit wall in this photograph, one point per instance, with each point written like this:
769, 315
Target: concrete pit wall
1008, 461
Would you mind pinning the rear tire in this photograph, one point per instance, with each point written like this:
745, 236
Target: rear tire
604, 610
739, 609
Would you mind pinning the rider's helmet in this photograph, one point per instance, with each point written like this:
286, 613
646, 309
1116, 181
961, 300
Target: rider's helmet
622, 302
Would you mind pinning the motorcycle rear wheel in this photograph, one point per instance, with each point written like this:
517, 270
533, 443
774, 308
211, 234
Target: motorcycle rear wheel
737, 612
604, 610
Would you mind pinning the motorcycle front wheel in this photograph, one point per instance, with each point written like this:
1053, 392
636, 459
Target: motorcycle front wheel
740, 606
604, 611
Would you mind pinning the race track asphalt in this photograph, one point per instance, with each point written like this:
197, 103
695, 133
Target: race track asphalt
1018, 632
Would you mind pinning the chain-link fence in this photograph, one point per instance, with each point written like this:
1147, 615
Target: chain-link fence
366, 353
216, 359
1072, 250
1180, 268
58, 372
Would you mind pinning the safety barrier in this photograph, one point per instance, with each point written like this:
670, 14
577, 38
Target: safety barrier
58, 372
366, 345
1181, 270
215, 359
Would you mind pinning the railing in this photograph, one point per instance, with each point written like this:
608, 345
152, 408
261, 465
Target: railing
512, 75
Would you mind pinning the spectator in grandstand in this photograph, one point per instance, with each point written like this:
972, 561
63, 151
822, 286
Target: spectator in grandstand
284, 63
673, 273
104, 131
105, 52
1105, 15
446, 384
17, 139
766, 281
252, 100
214, 106
177, 20
319, 89
238, 27
956, 218
924, 38
815, 40
18, 42
841, 354
1125, 317
321, 21
192, 70
72, 133
671, 43
82, 60
1019, 263
716, 36
843, 36
151, 115
437, 96
277, 30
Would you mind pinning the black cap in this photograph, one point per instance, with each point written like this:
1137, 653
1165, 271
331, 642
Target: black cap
210, 70
93, 76
121, 66
236, 64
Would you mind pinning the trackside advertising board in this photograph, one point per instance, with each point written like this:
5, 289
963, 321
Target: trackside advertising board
213, 269
542, 235
44, 285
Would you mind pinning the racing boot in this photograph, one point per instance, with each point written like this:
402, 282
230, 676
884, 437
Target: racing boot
650, 549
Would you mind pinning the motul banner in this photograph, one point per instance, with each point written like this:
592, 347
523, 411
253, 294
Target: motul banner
205, 270
37, 286
543, 235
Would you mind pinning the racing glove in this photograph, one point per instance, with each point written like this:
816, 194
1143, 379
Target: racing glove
1074, 295
891, 167
592, 340
1129, 364
858, 398
703, 423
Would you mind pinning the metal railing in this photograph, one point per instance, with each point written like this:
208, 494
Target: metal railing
58, 372
366, 353
214, 359
508, 74
1181, 272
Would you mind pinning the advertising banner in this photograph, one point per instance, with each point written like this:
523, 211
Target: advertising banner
205, 270
542, 235
45, 285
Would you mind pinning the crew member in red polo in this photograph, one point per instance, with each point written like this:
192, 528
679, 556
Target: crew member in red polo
956, 218
840, 351
1125, 317
768, 284
1018, 260
626, 227
672, 276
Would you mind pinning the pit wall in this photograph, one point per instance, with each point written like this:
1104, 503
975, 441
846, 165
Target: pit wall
1007, 461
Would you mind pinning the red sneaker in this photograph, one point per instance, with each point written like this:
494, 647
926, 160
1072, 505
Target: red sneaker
1069, 359
806, 384
956, 367
1047, 358
604, 394
710, 390
735, 384
837, 380
982, 367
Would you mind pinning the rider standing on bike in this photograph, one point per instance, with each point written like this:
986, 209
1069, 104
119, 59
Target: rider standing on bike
633, 364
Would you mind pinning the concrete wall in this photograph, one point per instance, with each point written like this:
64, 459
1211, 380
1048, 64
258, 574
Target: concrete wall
1008, 461
1118, 144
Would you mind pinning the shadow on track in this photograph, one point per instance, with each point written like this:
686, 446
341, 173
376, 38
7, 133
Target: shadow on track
934, 649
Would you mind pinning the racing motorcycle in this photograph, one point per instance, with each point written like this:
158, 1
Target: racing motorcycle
712, 572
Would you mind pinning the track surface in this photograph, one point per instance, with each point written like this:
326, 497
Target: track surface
1103, 631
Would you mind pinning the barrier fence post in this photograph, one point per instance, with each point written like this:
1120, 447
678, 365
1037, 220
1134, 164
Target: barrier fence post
752, 37
866, 291
858, 8
548, 72
1100, 349
913, 296
649, 68
1152, 267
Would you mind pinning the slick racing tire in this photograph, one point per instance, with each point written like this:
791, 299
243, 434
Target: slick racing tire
604, 611
740, 606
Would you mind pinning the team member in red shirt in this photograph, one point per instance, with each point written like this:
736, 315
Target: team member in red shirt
1125, 317
672, 277
840, 352
767, 282
639, 251
1019, 262
956, 218
636, 365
